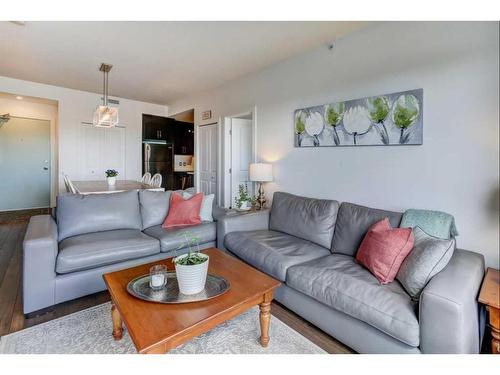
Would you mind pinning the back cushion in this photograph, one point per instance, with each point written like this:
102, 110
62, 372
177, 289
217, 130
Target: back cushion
306, 218
154, 207
353, 222
80, 214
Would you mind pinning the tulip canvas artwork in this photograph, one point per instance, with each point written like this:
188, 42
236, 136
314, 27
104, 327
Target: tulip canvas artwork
384, 120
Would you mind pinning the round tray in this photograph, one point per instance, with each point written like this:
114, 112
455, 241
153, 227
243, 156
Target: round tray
139, 287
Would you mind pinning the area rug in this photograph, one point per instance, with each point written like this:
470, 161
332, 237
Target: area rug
89, 332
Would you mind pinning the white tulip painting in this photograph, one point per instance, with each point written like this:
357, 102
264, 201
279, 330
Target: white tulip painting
356, 122
385, 120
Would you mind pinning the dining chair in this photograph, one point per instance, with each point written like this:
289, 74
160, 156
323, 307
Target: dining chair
156, 180
66, 184
146, 179
69, 186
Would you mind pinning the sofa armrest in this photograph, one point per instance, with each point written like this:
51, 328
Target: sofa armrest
258, 220
218, 212
39, 263
449, 312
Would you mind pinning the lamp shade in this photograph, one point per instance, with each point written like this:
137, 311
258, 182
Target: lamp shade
261, 172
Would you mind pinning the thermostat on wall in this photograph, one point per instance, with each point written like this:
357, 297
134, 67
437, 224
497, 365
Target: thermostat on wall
206, 115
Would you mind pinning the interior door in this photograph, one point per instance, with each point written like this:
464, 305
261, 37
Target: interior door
101, 149
24, 164
207, 160
241, 155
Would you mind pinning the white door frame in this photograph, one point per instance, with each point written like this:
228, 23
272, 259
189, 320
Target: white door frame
225, 150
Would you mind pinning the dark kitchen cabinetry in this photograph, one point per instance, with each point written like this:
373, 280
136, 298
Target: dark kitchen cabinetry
157, 128
182, 180
183, 138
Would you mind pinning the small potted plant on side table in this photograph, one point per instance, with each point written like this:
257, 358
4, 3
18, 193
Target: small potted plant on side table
191, 269
111, 176
244, 201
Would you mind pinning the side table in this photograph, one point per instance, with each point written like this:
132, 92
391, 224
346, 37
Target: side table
490, 296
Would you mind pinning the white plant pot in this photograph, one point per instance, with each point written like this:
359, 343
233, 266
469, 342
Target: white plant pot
191, 279
245, 206
111, 180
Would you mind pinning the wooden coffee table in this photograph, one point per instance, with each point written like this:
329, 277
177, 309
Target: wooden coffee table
158, 328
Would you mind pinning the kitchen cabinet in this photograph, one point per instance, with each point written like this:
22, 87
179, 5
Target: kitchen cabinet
183, 180
183, 138
158, 128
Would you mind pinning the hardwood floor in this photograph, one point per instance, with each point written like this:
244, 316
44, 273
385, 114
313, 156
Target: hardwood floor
12, 229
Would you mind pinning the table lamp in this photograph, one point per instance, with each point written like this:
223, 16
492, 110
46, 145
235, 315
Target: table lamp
261, 172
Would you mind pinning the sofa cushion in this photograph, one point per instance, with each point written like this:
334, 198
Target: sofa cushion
154, 207
172, 238
339, 282
353, 222
307, 218
79, 214
92, 250
182, 211
428, 257
272, 252
383, 250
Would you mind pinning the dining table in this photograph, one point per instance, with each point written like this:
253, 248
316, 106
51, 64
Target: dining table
102, 186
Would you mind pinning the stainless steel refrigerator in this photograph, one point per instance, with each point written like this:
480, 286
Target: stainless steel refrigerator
158, 157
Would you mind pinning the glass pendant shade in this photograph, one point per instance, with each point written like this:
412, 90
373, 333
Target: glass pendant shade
105, 116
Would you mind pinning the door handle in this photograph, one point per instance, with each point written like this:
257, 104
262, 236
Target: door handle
45, 168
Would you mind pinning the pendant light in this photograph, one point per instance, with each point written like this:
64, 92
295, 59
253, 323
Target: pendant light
105, 116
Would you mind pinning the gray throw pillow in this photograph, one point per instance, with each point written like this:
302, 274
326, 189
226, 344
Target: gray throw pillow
428, 257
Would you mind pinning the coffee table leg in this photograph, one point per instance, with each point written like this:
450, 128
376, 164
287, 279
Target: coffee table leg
265, 319
117, 323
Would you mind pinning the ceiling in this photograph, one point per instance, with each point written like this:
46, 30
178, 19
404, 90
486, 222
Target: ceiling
155, 62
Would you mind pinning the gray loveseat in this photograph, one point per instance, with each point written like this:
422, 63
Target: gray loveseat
65, 258
310, 246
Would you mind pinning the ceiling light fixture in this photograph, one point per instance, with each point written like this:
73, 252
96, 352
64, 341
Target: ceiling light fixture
105, 116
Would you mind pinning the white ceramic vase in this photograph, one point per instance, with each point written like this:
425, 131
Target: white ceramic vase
191, 278
111, 180
245, 206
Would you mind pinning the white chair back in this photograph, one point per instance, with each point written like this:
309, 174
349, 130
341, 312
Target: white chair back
156, 180
69, 186
146, 179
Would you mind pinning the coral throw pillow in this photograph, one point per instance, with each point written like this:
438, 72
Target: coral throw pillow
384, 249
183, 211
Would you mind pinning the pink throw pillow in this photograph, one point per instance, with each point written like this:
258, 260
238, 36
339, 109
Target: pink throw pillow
183, 211
383, 250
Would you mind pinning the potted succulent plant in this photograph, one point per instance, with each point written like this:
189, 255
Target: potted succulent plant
111, 176
191, 268
243, 201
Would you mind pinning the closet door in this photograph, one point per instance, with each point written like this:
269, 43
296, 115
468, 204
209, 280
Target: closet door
207, 160
114, 151
101, 149
91, 153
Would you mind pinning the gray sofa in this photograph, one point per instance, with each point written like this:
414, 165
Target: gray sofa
310, 246
65, 258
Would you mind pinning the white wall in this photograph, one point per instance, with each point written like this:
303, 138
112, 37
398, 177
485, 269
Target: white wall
75, 107
456, 168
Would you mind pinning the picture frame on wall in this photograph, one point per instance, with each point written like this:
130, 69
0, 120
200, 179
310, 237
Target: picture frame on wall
381, 120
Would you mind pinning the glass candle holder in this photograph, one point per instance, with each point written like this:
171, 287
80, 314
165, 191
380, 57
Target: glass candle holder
158, 277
